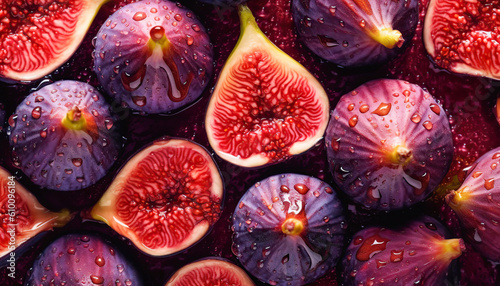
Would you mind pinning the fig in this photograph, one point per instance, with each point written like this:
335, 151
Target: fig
22, 216
355, 33
63, 136
477, 204
416, 254
462, 36
208, 272
36, 37
165, 198
154, 56
224, 3
288, 229
81, 259
265, 107
389, 144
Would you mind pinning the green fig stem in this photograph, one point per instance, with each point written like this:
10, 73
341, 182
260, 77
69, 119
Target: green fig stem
64, 216
246, 18
388, 37
450, 249
74, 120
455, 199
292, 226
400, 155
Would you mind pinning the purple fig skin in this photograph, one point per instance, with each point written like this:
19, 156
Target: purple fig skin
280, 258
477, 204
76, 259
389, 144
153, 56
56, 157
417, 254
340, 31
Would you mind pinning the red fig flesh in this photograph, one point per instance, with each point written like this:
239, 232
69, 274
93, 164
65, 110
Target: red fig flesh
36, 37
265, 106
165, 198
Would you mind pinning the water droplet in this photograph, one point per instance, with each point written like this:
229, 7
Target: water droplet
157, 33
266, 251
77, 162
371, 246
435, 108
260, 263
68, 171
489, 183
476, 236
327, 41
139, 100
139, 16
332, 10
396, 255
99, 260
364, 108
353, 121
80, 179
85, 238
71, 251
301, 188
36, 112
178, 17
95, 113
416, 118
345, 44
383, 109
316, 193
380, 263
431, 226
43, 133
153, 10
120, 268
427, 125
336, 145
195, 28
189, 40
284, 189
108, 123
12, 120
96, 279
350, 107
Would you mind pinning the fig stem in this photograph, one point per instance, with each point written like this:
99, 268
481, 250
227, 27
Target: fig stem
292, 226
400, 155
455, 198
450, 249
246, 18
74, 120
388, 37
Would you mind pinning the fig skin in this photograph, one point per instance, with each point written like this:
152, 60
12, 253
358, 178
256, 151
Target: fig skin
224, 3
28, 56
63, 136
21, 212
288, 229
153, 56
415, 254
165, 198
389, 144
82, 259
462, 36
210, 271
477, 205
355, 33
282, 108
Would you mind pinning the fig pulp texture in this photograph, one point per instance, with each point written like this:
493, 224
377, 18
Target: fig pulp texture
210, 271
165, 198
288, 229
22, 216
389, 144
79, 259
36, 37
265, 106
355, 33
63, 136
154, 56
417, 254
477, 204
462, 36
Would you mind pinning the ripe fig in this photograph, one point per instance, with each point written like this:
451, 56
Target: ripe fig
36, 37
389, 144
22, 217
355, 33
477, 204
265, 106
462, 36
417, 254
77, 259
154, 56
224, 3
165, 198
208, 272
63, 136
288, 229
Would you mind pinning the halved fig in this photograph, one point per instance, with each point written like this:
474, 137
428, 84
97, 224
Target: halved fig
36, 37
353, 33
477, 204
22, 217
416, 254
265, 107
288, 229
80, 259
165, 198
462, 36
389, 144
208, 272
63, 136
154, 56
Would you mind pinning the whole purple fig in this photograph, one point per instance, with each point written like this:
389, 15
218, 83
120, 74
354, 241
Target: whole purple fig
355, 33
417, 254
288, 229
154, 56
477, 204
63, 136
82, 260
389, 144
